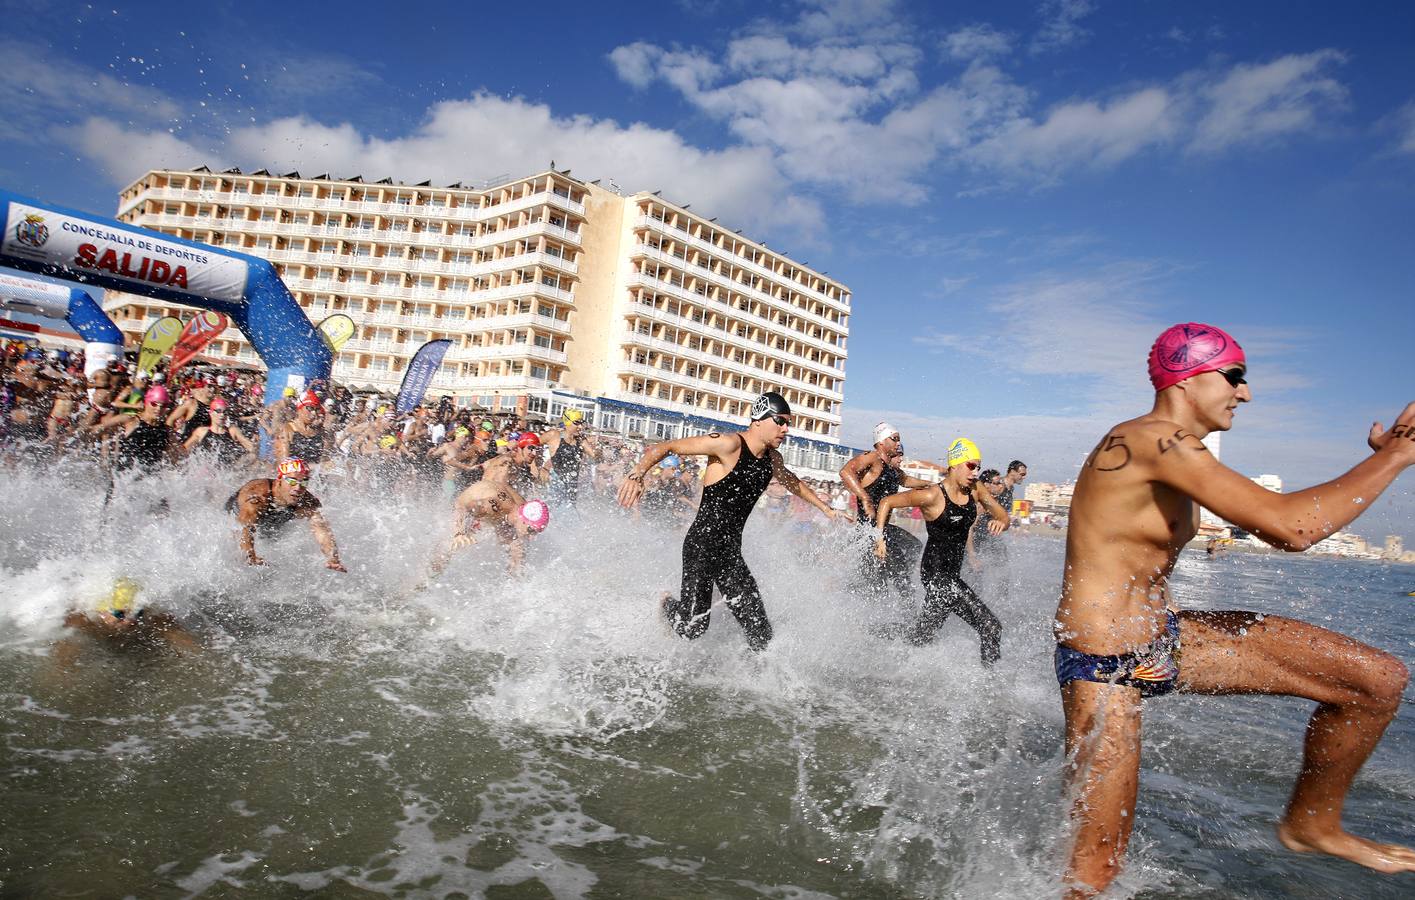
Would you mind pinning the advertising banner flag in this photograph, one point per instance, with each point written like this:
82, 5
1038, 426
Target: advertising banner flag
156, 341
198, 333
420, 373
336, 329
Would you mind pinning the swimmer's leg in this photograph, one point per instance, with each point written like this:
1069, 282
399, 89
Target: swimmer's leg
740, 592
935, 612
902, 557
1103, 775
970, 609
689, 614
1357, 689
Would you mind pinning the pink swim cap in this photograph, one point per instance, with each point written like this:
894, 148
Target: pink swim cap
535, 514
155, 394
219, 403
1184, 351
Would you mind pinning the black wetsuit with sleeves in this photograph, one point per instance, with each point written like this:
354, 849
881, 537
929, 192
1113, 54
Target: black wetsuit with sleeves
945, 592
712, 553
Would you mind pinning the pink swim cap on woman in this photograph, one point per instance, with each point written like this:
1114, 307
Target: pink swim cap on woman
1184, 351
155, 394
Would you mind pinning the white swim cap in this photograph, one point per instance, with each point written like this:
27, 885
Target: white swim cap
884, 431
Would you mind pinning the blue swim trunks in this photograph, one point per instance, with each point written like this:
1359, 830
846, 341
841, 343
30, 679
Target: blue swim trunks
1153, 671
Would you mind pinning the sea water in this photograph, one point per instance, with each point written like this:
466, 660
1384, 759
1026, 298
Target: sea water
544, 736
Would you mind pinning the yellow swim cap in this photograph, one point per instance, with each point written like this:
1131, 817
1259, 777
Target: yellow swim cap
387, 441
502, 443
122, 598
961, 451
573, 416
461, 431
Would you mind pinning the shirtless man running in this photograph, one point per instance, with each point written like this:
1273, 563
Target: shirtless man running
1118, 637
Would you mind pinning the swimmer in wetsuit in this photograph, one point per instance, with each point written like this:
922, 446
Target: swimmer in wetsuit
570, 450
221, 437
1119, 637
144, 440
268, 505
193, 412
950, 508
871, 477
740, 466
304, 437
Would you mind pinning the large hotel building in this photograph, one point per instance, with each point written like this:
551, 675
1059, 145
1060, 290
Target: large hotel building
555, 292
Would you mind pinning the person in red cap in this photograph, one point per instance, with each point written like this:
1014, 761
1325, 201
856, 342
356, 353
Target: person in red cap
194, 412
304, 436
221, 438
269, 504
520, 466
1119, 634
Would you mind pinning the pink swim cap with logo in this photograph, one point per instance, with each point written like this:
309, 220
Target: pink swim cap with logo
1184, 351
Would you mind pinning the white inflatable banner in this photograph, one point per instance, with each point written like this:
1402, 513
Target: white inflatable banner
51, 238
36, 298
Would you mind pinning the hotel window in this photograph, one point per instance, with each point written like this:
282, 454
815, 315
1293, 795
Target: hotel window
539, 372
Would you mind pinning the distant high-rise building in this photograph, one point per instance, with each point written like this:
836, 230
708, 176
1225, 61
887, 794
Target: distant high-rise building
554, 291
1271, 482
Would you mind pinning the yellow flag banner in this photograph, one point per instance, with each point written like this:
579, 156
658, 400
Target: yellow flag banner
337, 329
156, 341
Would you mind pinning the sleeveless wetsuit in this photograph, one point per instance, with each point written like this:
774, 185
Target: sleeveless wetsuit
145, 447
222, 444
712, 554
200, 419
565, 471
901, 547
309, 447
945, 592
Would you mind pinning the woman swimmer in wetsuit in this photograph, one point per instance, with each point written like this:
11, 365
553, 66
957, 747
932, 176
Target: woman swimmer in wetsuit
949, 510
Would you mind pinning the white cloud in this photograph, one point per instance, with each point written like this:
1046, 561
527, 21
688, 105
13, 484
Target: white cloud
125, 153
980, 41
1061, 25
846, 109
41, 93
1402, 122
1254, 103
1080, 133
483, 136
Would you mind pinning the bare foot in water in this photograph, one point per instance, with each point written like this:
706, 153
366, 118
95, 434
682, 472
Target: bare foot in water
1388, 858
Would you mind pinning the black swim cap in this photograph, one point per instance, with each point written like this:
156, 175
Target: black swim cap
769, 404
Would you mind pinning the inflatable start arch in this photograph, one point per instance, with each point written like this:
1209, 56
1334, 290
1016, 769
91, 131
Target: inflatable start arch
65, 243
23, 293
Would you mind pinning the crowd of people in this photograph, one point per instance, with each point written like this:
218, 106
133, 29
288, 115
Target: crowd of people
1119, 632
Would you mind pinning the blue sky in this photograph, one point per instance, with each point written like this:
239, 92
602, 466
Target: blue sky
1020, 195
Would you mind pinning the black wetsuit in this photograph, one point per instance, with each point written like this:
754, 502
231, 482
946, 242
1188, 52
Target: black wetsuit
945, 592
200, 419
309, 447
144, 448
712, 554
901, 547
565, 467
222, 444
984, 541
